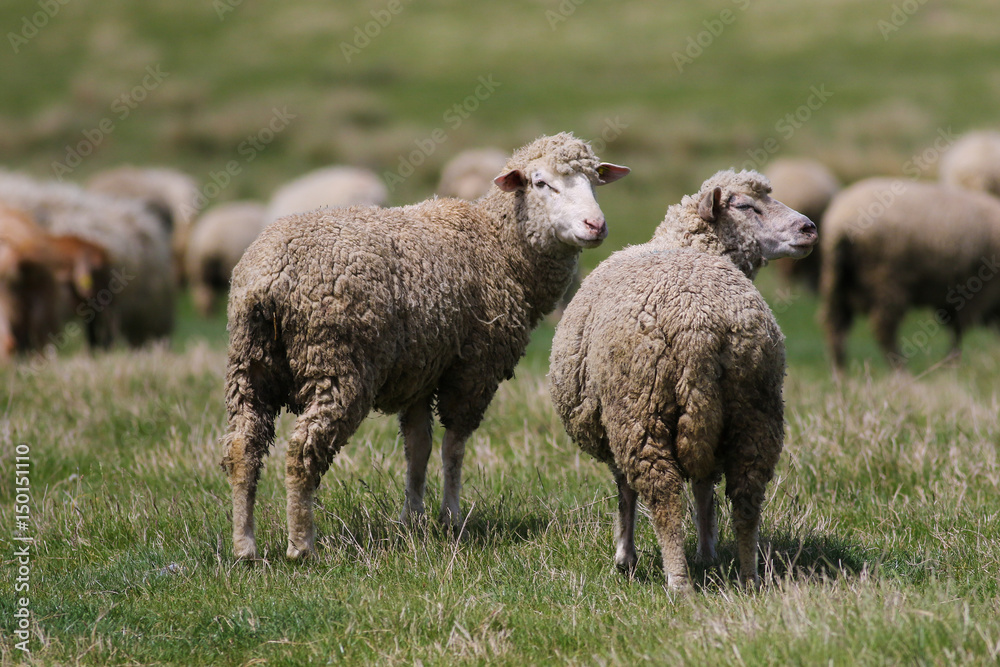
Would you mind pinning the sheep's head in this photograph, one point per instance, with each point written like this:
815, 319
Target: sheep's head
554, 178
737, 217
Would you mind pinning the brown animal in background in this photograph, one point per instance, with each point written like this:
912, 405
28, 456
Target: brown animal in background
44, 280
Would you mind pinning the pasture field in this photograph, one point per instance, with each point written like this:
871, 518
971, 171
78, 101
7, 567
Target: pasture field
881, 533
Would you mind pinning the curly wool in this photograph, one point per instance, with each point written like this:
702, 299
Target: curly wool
684, 228
563, 152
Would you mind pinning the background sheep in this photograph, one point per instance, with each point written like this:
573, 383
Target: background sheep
973, 162
217, 242
170, 194
892, 245
43, 280
139, 300
406, 310
806, 186
469, 175
668, 365
330, 186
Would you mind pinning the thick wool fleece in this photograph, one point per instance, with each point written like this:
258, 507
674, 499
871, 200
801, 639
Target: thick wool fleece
338, 311
892, 245
668, 365
140, 303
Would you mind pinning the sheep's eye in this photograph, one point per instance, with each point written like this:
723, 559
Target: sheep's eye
542, 184
744, 207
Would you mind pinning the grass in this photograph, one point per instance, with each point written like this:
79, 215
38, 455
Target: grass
880, 539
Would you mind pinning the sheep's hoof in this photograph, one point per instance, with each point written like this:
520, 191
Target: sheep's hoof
627, 564
411, 518
452, 524
679, 585
299, 554
245, 550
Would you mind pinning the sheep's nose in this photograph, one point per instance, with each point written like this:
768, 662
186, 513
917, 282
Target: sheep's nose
808, 227
597, 225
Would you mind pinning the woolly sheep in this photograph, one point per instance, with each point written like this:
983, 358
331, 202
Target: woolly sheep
668, 366
469, 175
170, 194
139, 300
43, 280
329, 186
973, 163
407, 310
806, 186
217, 242
892, 245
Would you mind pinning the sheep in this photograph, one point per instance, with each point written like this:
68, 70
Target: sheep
973, 162
44, 279
806, 186
329, 186
668, 366
139, 300
469, 175
892, 245
216, 244
171, 194
407, 310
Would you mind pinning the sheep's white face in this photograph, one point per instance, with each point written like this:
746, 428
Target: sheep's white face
779, 230
566, 202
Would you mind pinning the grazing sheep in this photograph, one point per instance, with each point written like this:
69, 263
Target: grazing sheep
44, 279
217, 242
892, 245
806, 186
407, 310
330, 186
469, 175
139, 300
973, 163
170, 194
668, 366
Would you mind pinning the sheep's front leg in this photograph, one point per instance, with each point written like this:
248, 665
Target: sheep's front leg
452, 454
415, 424
625, 556
705, 519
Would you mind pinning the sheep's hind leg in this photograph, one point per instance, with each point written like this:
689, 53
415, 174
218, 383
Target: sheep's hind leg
625, 556
318, 435
416, 426
452, 455
251, 433
705, 518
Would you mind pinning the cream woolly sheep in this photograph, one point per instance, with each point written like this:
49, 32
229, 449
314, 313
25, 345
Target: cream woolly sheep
170, 194
329, 186
139, 301
892, 245
469, 175
973, 162
217, 242
407, 310
806, 186
668, 366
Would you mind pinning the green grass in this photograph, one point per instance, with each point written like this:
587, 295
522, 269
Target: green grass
880, 535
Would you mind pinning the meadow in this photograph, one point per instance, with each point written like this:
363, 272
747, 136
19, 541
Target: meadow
880, 538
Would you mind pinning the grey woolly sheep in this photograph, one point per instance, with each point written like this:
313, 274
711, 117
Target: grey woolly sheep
892, 245
329, 186
668, 366
806, 186
171, 194
469, 175
973, 162
407, 310
218, 240
139, 300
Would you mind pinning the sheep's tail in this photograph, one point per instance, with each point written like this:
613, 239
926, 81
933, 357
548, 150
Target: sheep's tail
837, 279
257, 380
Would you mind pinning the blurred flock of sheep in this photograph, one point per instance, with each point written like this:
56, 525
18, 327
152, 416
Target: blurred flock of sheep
110, 256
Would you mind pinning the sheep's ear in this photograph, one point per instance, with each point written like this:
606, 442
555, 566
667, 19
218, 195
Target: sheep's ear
511, 181
609, 173
710, 205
